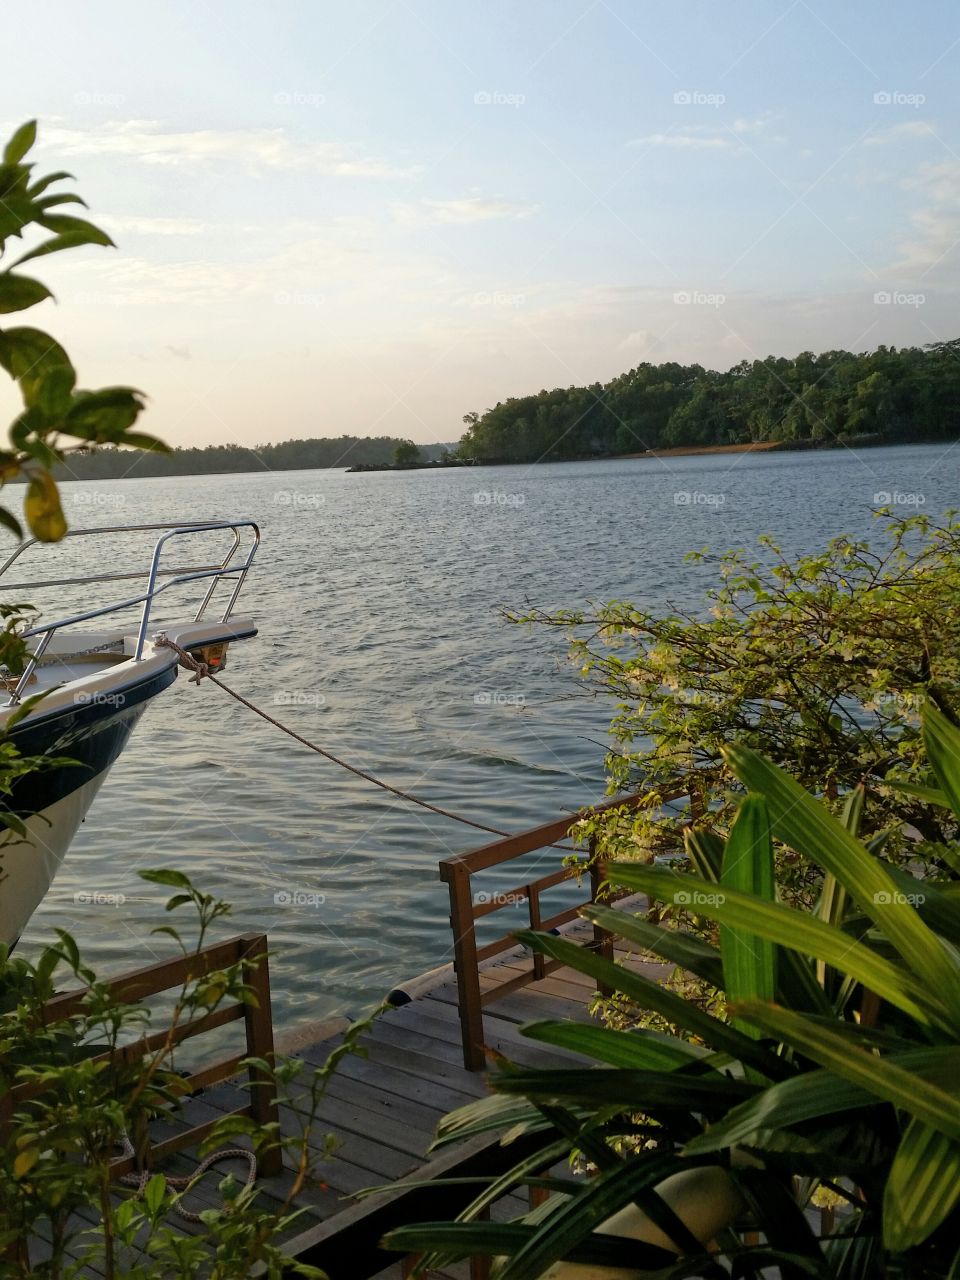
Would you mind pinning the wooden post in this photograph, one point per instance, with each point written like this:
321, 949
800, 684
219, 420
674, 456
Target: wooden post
602, 938
17, 1252
697, 809
480, 1263
533, 902
259, 1026
465, 963
537, 1196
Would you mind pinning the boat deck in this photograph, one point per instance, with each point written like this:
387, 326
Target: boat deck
384, 1107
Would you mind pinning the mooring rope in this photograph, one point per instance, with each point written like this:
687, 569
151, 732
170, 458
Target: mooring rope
202, 672
140, 1179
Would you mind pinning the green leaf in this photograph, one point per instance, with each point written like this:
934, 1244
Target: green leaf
804, 824
922, 1188
10, 521
496, 1190
69, 240
652, 995
749, 959
66, 197
942, 742
54, 393
705, 851
937, 903
167, 876
795, 930
29, 355
125, 1213
19, 292
139, 440
884, 1078
154, 1192
680, 948
230, 1126
929, 795
488, 1115
48, 180
105, 415
853, 809
42, 508
812, 1095
34, 446
797, 986
579, 1216
465, 1239
20, 143
65, 224
622, 1087
631, 1049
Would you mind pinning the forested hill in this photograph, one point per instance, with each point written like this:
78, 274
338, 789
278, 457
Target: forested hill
291, 455
898, 395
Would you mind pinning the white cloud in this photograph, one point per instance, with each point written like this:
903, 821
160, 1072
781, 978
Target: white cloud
909, 129
461, 212
700, 137
140, 226
740, 125
691, 141
149, 142
304, 272
640, 343
941, 182
759, 128
936, 239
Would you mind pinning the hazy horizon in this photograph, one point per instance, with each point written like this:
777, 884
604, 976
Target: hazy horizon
370, 222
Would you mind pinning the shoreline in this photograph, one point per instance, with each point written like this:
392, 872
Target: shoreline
691, 450
677, 451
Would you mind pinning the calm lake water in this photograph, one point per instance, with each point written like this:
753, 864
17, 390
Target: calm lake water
377, 598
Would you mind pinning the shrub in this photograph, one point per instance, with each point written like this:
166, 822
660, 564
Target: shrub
55, 1176
836, 1073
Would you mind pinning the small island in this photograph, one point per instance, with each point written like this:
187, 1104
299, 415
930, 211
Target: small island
408, 456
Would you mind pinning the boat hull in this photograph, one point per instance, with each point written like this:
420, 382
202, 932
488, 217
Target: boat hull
53, 801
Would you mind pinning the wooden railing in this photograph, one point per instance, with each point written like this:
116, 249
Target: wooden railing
247, 950
466, 910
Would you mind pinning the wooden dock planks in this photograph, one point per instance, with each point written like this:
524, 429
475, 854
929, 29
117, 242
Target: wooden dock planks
383, 1109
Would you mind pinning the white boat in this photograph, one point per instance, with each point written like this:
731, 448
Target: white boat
96, 684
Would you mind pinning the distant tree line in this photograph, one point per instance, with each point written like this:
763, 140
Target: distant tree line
897, 395
910, 394
290, 455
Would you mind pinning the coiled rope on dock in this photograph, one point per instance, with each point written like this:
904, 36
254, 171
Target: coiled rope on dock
201, 671
139, 1180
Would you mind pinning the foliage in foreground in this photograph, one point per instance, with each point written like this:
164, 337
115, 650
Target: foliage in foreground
55, 1179
57, 418
836, 1072
820, 664
58, 421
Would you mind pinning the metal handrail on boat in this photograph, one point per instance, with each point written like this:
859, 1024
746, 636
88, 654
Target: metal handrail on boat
178, 575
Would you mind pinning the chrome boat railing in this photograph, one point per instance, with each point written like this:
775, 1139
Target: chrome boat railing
229, 567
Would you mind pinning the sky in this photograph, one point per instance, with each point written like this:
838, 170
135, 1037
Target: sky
373, 217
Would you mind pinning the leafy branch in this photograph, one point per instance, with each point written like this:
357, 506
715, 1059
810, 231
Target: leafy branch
58, 417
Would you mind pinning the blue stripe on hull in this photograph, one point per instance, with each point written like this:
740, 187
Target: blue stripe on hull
90, 733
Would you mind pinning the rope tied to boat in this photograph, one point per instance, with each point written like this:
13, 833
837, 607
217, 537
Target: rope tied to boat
201, 671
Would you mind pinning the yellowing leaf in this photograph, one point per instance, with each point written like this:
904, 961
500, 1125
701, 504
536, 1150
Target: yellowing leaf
42, 508
25, 1161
